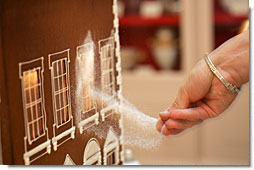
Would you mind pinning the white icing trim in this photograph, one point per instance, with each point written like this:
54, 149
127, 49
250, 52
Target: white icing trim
53, 59
84, 122
111, 145
70, 132
92, 153
84, 48
104, 111
68, 160
39, 148
118, 69
122, 155
25, 68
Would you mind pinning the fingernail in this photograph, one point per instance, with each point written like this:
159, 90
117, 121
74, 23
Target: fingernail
163, 127
165, 112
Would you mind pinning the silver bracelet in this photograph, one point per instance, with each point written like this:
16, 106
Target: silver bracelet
229, 86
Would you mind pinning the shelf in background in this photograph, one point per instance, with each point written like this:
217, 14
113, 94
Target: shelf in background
220, 19
138, 21
224, 19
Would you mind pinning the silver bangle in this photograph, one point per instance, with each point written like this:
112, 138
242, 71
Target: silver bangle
229, 86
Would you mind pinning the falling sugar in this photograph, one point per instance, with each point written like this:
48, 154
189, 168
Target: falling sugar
139, 128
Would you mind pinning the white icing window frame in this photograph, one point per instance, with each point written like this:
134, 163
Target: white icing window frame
111, 145
52, 59
94, 145
105, 45
94, 119
26, 67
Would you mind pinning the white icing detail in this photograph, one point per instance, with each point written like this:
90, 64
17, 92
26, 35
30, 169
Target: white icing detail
68, 160
118, 69
92, 153
116, 23
121, 123
59, 67
31, 75
106, 51
110, 108
92, 118
89, 114
70, 132
111, 149
122, 155
30, 153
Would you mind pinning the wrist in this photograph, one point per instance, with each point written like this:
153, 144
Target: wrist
232, 60
228, 70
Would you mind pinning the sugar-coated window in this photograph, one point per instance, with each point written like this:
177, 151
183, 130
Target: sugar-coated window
88, 82
107, 68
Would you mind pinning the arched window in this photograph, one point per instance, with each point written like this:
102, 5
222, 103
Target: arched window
92, 154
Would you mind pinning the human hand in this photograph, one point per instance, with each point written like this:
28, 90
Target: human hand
203, 95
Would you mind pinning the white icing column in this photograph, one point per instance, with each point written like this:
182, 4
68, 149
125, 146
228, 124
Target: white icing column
118, 68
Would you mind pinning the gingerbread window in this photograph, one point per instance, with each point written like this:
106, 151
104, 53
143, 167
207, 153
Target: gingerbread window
111, 149
107, 63
92, 154
36, 140
89, 115
35, 119
107, 68
63, 128
61, 91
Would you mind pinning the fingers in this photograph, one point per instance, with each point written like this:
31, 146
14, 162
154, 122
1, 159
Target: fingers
159, 125
164, 115
200, 112
168, 132
173, 127
181, 102
180, 124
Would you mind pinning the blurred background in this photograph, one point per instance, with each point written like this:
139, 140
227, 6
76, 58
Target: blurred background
161, 40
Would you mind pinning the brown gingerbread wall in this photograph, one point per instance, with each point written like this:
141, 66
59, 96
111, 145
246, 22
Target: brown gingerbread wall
32, 29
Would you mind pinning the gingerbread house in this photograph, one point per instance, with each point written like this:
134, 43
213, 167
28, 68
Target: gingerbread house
60, 83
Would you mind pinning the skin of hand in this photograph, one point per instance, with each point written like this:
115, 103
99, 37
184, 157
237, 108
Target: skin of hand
203, 95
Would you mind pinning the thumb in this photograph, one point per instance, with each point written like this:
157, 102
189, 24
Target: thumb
181, 101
